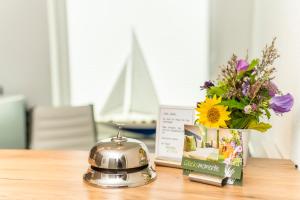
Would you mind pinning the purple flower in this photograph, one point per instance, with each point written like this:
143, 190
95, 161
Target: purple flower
207, 84
242, 65
245, 88
282, 104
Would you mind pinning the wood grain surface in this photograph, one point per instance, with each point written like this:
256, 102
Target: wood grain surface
28, 174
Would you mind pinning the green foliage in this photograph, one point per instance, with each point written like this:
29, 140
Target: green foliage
219, 91
267, 113
259, 126
232, 103
253, 64
235, 137
237, 161
240, 123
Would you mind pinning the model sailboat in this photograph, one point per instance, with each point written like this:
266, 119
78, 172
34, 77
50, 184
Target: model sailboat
133, 100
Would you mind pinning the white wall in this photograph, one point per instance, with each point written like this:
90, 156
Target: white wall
281, 18
230, 31
173, 35
24, 54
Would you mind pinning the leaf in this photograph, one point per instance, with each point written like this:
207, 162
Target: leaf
253, 63
240, 75
240, 123
236, 123
261, 126
267, 112
215, 91
245, 100
232, 103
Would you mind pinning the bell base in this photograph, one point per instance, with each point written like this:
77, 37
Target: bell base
119, 180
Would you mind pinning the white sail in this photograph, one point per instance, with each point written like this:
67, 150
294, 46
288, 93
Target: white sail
115, 101
144, 98
133, 97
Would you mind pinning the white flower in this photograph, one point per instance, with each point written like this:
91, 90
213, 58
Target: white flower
247, 109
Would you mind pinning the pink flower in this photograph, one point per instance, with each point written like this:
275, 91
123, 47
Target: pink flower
238, 149
254, 107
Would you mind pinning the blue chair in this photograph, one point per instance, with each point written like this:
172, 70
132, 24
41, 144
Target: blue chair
12, 122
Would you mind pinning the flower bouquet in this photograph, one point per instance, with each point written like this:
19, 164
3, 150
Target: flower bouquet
244, 94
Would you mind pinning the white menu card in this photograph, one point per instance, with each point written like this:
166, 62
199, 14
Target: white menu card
170, 131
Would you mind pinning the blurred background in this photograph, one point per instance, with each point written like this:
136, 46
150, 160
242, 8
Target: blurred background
69, 67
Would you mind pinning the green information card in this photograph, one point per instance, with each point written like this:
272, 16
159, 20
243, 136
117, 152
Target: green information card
216, 152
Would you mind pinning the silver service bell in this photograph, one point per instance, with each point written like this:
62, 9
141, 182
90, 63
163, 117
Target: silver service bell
119, 162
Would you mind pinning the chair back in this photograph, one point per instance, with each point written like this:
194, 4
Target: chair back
67, 127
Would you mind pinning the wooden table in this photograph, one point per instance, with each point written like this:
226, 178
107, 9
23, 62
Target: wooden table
27, 174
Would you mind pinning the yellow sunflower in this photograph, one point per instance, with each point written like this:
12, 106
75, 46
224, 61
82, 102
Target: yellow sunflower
212, 115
